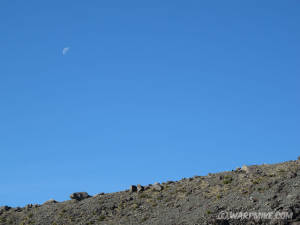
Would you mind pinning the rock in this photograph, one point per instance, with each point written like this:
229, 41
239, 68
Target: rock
129, 199
248, 169
238, 169
18, 209
140, 188
146, 188
291, 175
157, 187
4, 209
133, 188
50, 201
252, 199
79, 196
29, 206
100, 194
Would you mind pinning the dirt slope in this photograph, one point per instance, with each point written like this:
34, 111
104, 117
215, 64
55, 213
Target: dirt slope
221, 198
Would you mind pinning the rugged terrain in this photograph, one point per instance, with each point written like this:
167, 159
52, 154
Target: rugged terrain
220, 198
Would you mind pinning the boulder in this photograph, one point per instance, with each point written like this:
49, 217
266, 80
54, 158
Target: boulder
140, 188
50, 201
291, 175
157, 187
251, 170
79, 196
133, 188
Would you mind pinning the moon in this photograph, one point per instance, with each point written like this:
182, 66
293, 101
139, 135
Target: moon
65, 50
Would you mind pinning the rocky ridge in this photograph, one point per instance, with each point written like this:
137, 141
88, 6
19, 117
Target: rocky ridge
257, 194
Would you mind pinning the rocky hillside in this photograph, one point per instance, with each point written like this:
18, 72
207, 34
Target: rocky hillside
264, 194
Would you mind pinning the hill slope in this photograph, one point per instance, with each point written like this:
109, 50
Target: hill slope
221, 198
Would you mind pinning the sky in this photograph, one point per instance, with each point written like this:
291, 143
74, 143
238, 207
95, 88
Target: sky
98, 95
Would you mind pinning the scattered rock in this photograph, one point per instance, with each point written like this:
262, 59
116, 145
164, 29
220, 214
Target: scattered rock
79, 196
133, 188
140, 188
253, 190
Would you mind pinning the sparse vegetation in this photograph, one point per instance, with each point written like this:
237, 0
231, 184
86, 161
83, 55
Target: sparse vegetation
201, 197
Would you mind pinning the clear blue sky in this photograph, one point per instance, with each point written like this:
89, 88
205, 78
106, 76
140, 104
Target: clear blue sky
148, 91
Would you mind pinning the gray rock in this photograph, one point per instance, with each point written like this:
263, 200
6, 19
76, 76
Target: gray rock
291, 175
157, 187
252, 199
133, 188
249, 169
100, 194
79, 196
50, 201
140, 188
